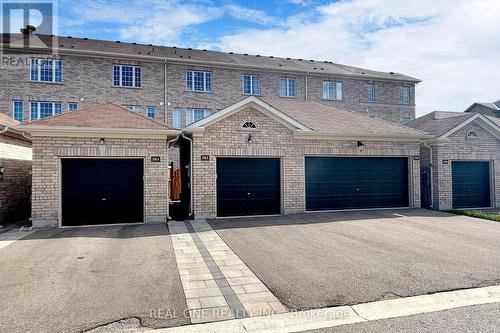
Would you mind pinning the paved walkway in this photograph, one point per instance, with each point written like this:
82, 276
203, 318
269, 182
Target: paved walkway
217, 283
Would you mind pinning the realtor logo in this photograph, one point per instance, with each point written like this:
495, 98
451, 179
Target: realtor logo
28, 24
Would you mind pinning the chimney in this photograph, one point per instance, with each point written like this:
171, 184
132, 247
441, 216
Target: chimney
29, 30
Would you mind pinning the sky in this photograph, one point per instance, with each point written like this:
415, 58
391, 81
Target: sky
453, 46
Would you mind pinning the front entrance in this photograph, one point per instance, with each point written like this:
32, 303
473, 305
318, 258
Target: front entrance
102, 191
248, 186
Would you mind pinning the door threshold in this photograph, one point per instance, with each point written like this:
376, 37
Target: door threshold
98, 225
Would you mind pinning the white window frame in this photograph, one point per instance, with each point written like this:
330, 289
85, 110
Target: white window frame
181, 112
405, 98
137, 108
470, 136
14, 109
154, 112
72, 103
120, 76
252, 90
39, 70
338, 90
368, 87
38, 108
206, 113
288, 80
191, 73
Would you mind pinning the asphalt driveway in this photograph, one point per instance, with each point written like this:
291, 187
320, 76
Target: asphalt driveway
74, 280
324, 259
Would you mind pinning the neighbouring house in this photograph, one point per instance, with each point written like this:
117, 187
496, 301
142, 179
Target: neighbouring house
15, 172
489, 109
100, 165
461, 163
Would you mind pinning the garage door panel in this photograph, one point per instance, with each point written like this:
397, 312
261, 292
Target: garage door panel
350, 182
248, 186
471, 184
101, 191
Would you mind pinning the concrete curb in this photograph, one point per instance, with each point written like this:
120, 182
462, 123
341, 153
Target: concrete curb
343, 315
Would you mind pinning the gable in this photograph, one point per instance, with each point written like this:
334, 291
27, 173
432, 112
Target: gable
257, 105
477, 120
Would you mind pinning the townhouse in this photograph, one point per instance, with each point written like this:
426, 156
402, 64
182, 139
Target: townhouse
247, 134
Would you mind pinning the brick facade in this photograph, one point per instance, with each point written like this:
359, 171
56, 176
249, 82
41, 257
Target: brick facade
47, 152
458, 148
15, 186
272, 139
91, 79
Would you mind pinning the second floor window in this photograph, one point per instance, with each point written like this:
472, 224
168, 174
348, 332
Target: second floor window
151, 111
370, 92
193, 115
405, 95
72, 106
127, 76
198, 81
177, 118
332, 90
251, 84
46, 70
18, 110
39, 110
288, 87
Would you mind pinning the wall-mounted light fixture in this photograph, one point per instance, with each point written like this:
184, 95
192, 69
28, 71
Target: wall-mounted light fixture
249, 139
102, 141
360, 146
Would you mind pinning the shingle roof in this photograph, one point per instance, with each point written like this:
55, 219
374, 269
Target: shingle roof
438, 123
107, 115
326, 118
6, 120
189, 55
494, 119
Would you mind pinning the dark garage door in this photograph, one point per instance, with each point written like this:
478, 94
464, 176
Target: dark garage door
356, 182
471, 184
248, 186
101, 191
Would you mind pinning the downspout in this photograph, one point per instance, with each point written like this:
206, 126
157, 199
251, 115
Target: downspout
4, 129
431, 173
165, 107
307, 79
169, 180
191, 192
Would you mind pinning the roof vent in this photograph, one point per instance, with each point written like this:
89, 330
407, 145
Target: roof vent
271, 57
322, 69
61, 45
392, 73
258, 55
72, 46
85, 38
189, 57
315, 68
174, 47
205, 50
149, 53
181, 56
134, 43
280, 65
190, 48
139, 52
311, 60
245, 54
299, 59
325, 62
362, 72
118, 41
70, 37
231, 52
288, 58
150, 44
